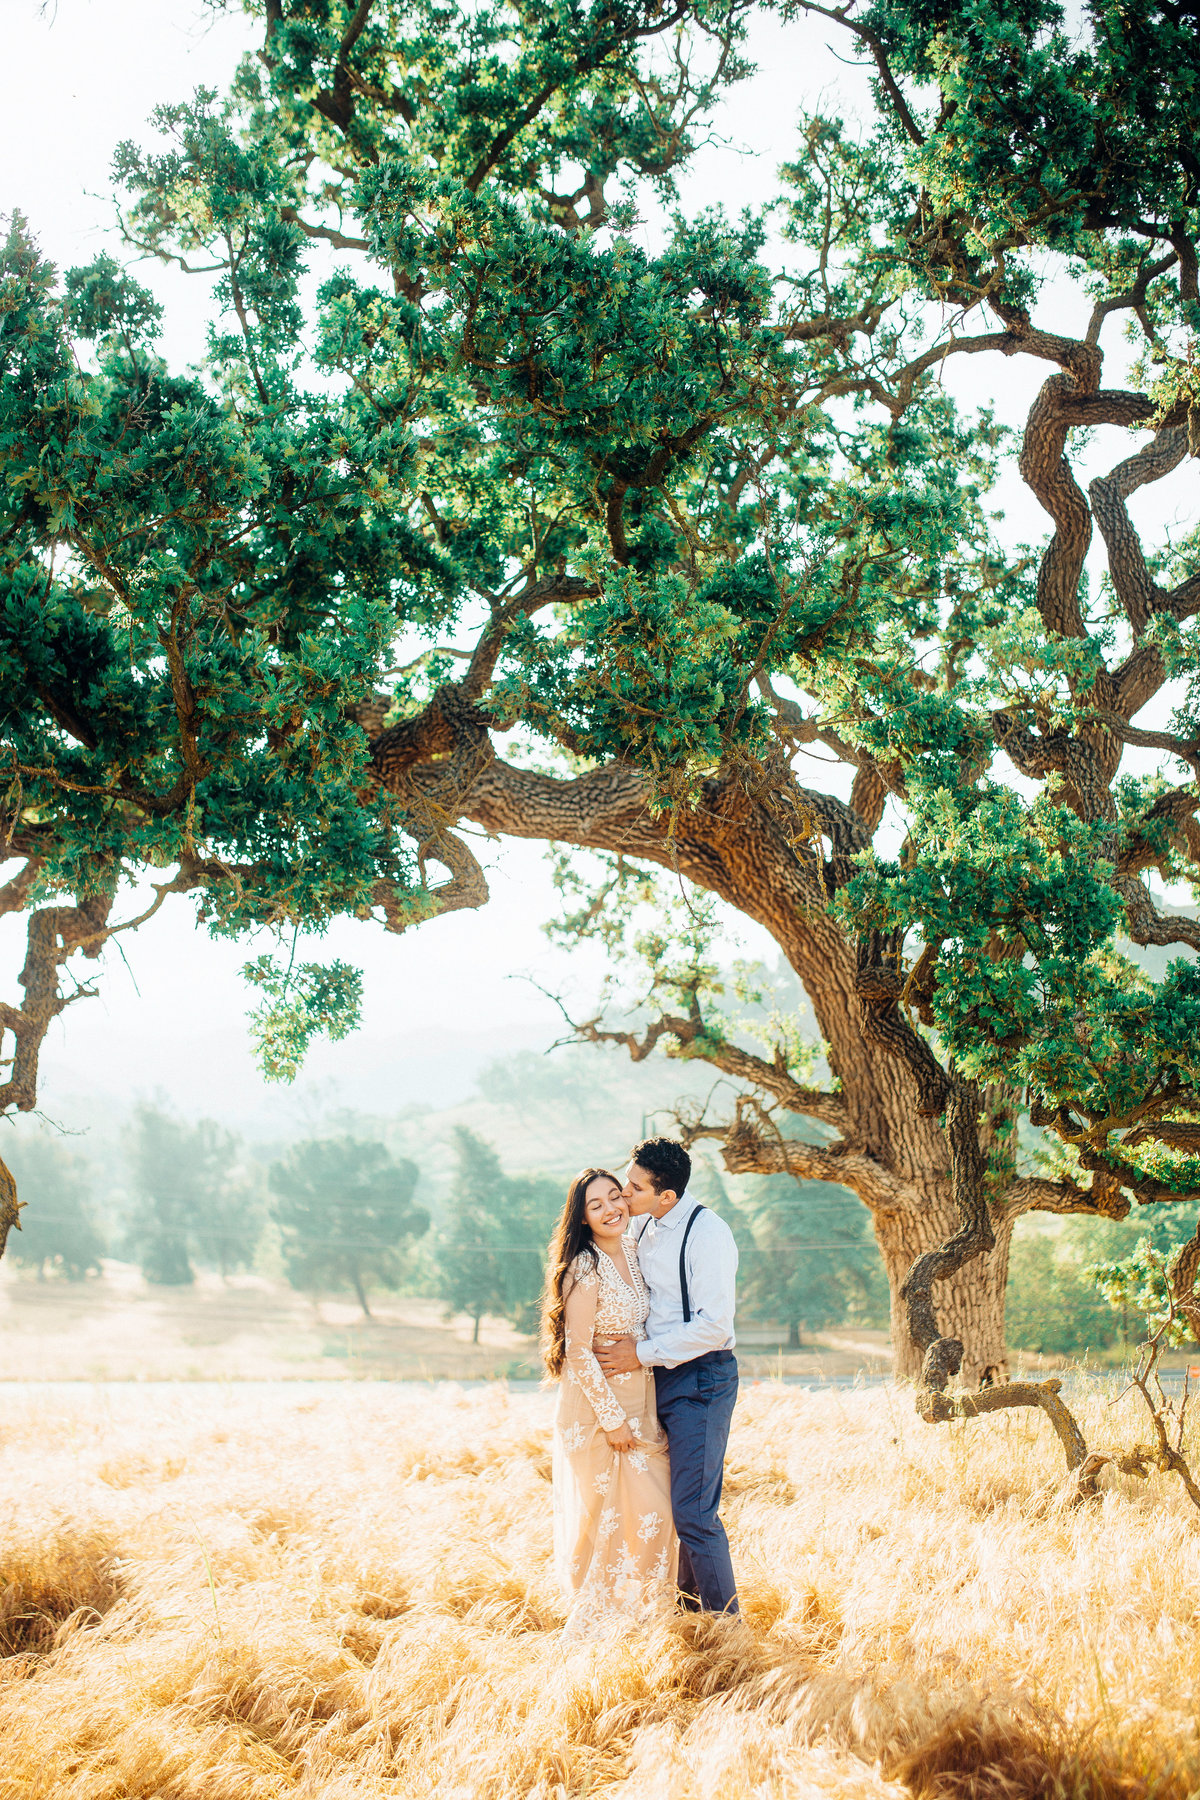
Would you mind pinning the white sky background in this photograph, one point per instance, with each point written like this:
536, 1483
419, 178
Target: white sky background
83, 75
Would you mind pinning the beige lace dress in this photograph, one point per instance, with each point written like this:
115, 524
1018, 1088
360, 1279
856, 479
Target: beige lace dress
614, 1543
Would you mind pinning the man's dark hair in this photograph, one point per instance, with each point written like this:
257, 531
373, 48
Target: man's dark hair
666, 1163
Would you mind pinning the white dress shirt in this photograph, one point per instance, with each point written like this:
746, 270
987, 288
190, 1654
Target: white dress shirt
712, 1261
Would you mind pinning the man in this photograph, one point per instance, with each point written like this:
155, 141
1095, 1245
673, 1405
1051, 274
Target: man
689, 1263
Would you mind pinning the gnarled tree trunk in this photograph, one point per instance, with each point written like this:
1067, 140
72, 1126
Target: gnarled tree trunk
970, 1306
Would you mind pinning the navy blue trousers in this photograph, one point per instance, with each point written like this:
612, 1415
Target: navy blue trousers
695, 1405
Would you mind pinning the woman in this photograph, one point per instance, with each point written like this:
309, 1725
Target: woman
614, 1542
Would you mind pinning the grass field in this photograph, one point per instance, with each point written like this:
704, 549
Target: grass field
120, 1328
347, 1592
247, 1329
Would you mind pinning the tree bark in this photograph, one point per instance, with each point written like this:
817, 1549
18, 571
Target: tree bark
970, 1306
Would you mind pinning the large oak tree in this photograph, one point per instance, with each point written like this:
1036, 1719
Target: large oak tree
685, 497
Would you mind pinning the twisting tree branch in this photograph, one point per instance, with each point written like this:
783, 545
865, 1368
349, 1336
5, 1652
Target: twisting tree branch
696, 1038
1168, 1419
54, 933
752, 1144
974, 1237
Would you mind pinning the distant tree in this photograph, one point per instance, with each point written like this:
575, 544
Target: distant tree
1053, 1305
812, 1260
226, 1228
58, 1230
490, 1253
192, 1199
157, 1233
344, 1209
467, 1255
1088, 1285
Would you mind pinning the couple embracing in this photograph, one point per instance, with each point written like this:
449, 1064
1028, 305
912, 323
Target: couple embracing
638, 1329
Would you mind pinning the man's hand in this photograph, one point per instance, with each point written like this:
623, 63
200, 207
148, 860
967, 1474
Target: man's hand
617, 1356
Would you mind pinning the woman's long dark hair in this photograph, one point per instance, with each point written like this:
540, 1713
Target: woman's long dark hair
572, 1235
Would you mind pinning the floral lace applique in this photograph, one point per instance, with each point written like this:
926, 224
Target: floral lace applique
601, 1304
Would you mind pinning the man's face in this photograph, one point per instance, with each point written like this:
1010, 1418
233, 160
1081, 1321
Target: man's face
642, 1196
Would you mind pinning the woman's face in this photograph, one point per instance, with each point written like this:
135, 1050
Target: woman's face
603, 1208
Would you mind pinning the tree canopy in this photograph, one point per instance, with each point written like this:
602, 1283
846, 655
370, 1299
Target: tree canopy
489, 1256
344, 1208
61, 1235
494, 437
191, 1201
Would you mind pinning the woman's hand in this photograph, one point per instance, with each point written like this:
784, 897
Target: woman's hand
622, 1438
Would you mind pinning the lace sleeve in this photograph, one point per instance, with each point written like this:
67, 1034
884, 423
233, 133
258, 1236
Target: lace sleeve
581, 1366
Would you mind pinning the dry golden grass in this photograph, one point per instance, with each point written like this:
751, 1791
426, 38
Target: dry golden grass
208, 1597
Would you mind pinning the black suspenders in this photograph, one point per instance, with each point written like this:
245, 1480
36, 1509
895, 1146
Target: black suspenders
683, 1286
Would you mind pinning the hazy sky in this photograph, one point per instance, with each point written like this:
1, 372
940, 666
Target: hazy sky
84, 74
